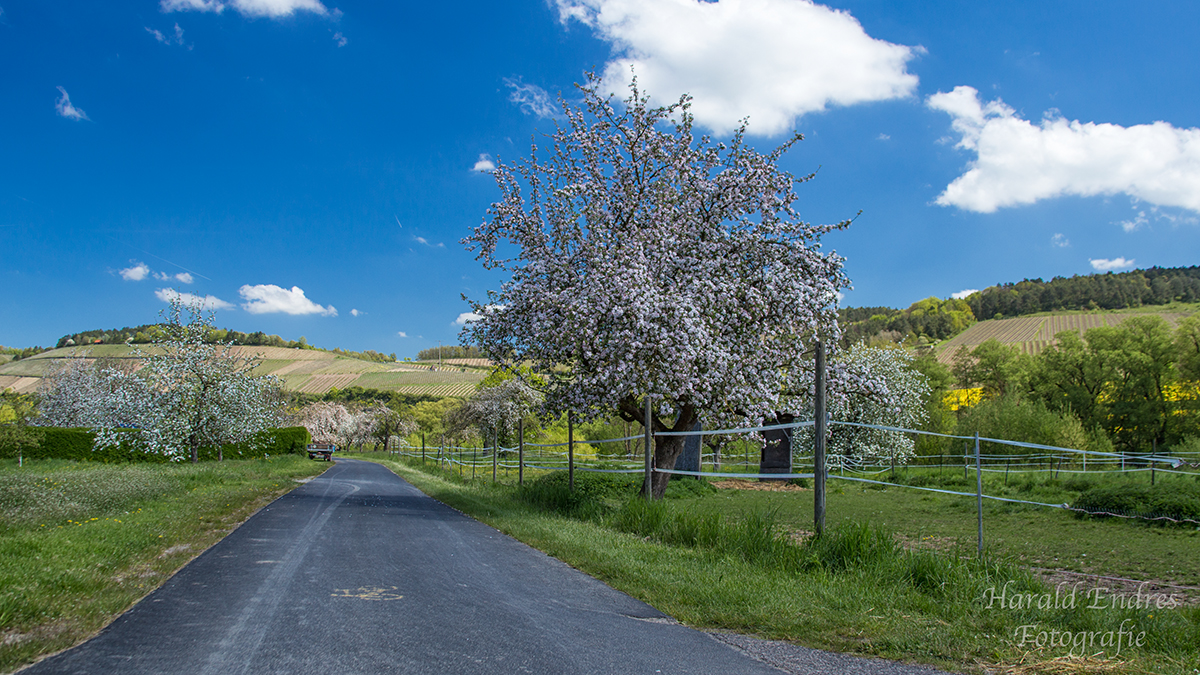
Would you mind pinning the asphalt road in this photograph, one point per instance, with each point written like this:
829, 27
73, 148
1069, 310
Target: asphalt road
359, 572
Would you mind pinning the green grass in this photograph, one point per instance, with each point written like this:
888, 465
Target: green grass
81, 542
730, 560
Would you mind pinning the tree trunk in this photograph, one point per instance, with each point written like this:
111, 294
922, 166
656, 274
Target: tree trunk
667, 449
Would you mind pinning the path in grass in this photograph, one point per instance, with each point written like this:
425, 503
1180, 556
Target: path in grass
357, 571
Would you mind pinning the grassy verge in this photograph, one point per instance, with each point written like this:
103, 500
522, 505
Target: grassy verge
81, 542
719, 561
1029, 535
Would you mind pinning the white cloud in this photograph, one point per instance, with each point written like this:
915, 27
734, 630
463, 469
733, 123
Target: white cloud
65, 109
355, 312
964, 293
340, 39
254, 8
402, 334
883, 137
770, 60
532, 99
484, 164
135, 273
1018, 162
271, 299
191, 300
184, 277
1059, 241
466, 318
1103, 265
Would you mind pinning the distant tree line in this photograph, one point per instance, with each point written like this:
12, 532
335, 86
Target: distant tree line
449, 352
19, 353
1154, 286
928, 320
150, 333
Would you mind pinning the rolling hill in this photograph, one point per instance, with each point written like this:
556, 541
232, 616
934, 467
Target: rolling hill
304, 370
1034, 333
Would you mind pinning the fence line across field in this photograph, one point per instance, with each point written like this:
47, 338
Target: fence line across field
471, 456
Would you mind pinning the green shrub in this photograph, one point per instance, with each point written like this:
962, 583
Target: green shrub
552, 492
679, 489
1179, 500
1010, 418
77, 445
851, 545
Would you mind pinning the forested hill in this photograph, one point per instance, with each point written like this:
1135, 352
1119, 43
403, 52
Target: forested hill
1121, 290
931, 319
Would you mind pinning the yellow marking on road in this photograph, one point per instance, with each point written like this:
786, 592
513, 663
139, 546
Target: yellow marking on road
366, 593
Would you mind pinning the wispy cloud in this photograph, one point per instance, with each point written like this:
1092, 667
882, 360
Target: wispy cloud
182, 277
532, 99
402, 334
340, 39
254, 8
769, 60
1102, 265
66, 109
271, 299
423, 240
1018, 162
355, 312
883, 137
964, 293
1060, 241
176, 39
136, 272
484, 164
206, 302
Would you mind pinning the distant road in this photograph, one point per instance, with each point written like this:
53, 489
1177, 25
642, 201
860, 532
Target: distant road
359, 572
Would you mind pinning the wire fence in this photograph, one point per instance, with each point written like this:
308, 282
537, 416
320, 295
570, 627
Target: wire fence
744, 462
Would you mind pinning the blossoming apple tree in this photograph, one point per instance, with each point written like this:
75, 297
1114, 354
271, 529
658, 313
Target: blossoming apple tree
647, 261
192, 394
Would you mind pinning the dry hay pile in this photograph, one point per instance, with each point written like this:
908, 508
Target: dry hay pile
765, 486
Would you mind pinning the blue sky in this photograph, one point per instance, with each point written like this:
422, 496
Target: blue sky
310, 165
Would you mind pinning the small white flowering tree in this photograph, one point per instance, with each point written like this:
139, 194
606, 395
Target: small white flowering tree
495, 411
388, 423
80, 392
899, 402
196, 394
648, 262
327, 423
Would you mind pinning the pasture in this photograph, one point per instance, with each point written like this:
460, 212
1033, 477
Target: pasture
896, 576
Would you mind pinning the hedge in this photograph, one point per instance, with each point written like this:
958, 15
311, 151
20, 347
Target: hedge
77, 444
1177, 499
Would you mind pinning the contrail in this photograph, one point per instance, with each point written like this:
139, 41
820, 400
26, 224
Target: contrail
161, 258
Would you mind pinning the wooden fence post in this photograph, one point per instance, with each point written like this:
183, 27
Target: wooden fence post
819, 445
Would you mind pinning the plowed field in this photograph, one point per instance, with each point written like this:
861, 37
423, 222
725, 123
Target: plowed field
319, 384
